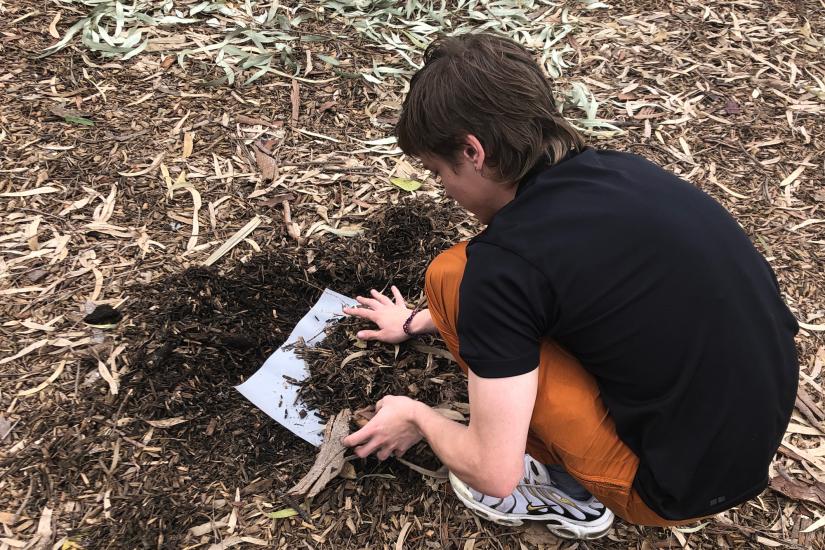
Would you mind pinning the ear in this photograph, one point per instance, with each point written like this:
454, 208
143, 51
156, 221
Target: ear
473, 152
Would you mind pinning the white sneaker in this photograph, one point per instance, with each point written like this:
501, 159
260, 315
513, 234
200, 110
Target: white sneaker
539, 498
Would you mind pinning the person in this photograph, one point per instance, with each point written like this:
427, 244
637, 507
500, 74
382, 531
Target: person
627, 348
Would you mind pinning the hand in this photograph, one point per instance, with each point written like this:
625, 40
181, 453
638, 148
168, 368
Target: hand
391, 431
389, 316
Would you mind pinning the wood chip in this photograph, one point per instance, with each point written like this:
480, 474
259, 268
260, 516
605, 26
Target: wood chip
330, 459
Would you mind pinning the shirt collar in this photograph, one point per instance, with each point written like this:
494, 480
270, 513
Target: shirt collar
544, 163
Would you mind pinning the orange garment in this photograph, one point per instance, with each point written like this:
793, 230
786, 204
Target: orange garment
570, 424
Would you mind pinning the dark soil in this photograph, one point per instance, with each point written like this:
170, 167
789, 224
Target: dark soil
375, 369
395, 248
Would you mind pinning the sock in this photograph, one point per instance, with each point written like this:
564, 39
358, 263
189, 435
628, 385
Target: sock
566, 482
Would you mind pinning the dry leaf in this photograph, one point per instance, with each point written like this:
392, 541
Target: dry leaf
450, 414
815, 525
538, 535
167, 422
441, 473
43, 537
53, 26
229, 542
155, 163
402, 536
263, 158
40, 387
348, 471
327, 105
363, 415
107, 376
208, 527
5, 427
732, 107
30, 192
792, 176
188, 139
25, 351
232, 241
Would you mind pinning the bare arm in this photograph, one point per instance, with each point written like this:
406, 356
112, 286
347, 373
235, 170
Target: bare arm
487, 454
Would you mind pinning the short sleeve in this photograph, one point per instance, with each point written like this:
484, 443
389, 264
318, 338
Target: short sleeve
506, 307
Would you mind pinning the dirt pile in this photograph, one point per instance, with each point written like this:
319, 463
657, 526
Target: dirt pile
147, 459
395, 247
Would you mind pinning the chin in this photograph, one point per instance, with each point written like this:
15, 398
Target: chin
480, 216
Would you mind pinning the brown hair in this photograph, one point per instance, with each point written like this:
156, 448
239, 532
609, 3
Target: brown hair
492, 88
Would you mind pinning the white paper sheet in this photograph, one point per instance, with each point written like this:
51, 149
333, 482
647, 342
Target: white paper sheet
268, 390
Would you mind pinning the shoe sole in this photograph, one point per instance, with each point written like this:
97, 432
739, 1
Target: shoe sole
561, 527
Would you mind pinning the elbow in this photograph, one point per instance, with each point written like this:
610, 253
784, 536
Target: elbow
501, 484
502, 489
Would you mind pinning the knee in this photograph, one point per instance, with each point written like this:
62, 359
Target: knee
446, 269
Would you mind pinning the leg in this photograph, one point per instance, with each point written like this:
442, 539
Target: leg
441, 287
570, 424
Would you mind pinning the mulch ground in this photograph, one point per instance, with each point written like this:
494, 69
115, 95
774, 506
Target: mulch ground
133, 436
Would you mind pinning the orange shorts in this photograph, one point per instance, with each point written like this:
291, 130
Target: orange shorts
570, 424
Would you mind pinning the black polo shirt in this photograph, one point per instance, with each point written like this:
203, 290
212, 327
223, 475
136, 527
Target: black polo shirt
660, 294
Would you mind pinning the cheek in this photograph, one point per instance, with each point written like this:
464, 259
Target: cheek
448, 187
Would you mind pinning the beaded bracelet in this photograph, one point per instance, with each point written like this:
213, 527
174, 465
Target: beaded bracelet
408, 322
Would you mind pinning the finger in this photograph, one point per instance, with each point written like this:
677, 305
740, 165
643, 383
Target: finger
364, 313
369, 302
369, 335
351, 310
368, 448
358, 438
380, 297
384, 453
379, 405
399, 298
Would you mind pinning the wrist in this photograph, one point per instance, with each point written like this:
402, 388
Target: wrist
408, 326
417, 417
421, 323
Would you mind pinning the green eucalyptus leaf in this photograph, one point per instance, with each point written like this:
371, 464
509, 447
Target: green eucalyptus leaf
281, 514
79, 120
328, 60
406, 184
